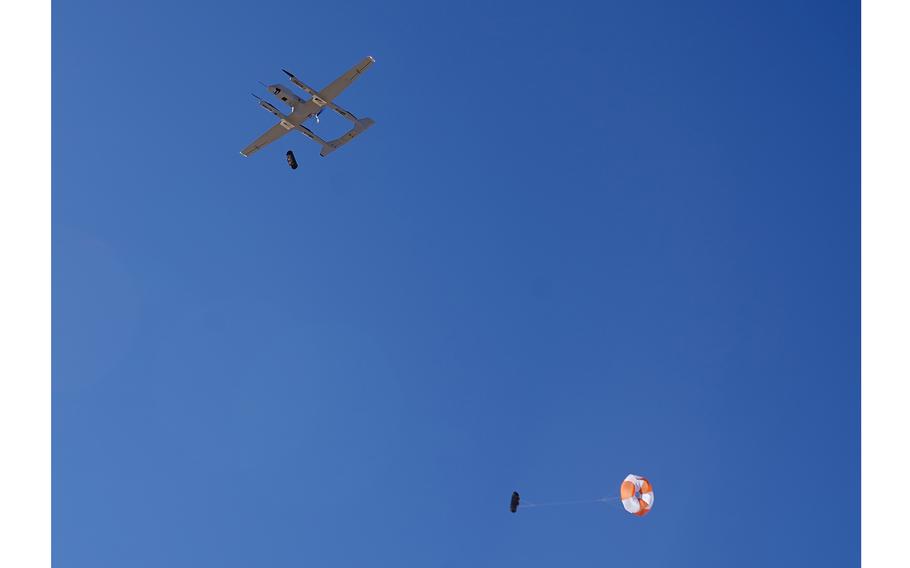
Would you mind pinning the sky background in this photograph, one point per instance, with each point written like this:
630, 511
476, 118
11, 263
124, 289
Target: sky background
583, 240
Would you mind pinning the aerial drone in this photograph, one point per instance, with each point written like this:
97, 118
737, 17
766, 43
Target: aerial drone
305, 109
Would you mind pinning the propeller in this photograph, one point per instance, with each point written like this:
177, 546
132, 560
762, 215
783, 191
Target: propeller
288, 73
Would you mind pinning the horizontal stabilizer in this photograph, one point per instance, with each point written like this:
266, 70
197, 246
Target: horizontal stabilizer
359, 127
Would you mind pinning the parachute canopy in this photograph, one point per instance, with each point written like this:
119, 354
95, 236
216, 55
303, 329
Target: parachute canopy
513, 506
637, 494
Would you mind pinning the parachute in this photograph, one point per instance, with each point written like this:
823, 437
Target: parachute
635, 492
637, 495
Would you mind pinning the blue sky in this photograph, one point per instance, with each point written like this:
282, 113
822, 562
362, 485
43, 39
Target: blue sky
581, 241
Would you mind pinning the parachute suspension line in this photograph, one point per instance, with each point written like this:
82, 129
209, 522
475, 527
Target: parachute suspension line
560, 503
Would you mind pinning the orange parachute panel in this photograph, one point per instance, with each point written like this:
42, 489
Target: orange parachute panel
637, 495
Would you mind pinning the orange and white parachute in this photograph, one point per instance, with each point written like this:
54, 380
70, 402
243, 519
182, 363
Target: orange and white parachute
637, 495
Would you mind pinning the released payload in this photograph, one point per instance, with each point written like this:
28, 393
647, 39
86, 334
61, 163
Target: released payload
516, 498
292, 161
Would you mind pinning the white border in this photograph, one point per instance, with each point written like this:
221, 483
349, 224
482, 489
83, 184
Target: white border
886, 283
25, 284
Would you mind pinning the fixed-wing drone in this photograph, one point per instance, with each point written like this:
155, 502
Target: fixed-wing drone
302, 110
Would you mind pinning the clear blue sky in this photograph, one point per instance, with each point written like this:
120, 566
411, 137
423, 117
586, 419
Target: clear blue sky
582, 240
